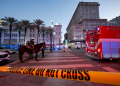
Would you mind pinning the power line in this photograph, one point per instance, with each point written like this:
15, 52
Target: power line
60, 11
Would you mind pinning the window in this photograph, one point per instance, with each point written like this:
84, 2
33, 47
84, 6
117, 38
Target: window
33, 35
21, 35
33, 30
6, 40
30, 30
21, 40
14, 40
6, 35
113, 28
77, 28
91, 40
30, 35
118, 29
14, 35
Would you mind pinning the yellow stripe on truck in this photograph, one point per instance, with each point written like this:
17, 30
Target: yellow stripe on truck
79, 75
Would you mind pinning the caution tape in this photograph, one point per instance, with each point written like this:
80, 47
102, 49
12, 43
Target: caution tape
79, 75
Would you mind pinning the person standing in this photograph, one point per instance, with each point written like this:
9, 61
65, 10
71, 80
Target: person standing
77, 47
42, 52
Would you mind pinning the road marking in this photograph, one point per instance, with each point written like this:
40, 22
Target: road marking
77, 60
60, 58
61, 66
110, 69
61, 55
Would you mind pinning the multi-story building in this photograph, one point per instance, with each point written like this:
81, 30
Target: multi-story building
56, 38
117, 19
112, 23
86, 17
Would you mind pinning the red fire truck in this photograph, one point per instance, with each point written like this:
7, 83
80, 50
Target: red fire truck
104, 42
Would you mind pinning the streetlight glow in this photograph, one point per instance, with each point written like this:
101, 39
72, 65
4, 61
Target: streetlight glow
54, 33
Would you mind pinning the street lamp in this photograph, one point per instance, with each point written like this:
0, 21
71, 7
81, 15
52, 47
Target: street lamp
52, 33
53, 39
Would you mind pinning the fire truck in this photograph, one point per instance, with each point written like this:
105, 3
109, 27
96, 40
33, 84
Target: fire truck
104, 42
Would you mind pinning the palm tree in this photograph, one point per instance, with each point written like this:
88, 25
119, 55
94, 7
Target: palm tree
9, 21
38, 22
26, 25
50, 30
1, 31
43, 32
18, 27
31, 26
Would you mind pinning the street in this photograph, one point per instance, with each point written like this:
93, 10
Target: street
74, 60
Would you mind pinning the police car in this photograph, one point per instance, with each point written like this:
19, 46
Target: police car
4, 57
7, 50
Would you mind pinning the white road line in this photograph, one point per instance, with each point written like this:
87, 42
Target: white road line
60, 57
77, 60
61, 66
110, 69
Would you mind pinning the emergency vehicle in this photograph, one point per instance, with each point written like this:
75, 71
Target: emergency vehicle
104, 42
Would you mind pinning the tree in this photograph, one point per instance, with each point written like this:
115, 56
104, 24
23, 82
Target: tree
31, 26
18, 27
43, 32
9, 21
50, 30
38, 22
1, 31
25, 23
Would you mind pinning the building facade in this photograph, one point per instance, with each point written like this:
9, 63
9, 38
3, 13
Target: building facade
56, 38
117, 19
86, 17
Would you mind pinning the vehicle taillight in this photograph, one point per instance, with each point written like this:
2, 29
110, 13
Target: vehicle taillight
98, 49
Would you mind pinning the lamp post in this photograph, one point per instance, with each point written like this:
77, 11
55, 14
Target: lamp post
52, 35
53, 39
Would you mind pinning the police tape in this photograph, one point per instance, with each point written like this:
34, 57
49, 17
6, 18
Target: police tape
79, 75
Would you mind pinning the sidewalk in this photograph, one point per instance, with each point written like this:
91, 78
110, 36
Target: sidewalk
50, 61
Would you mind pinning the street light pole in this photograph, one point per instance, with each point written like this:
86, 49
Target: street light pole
53, 39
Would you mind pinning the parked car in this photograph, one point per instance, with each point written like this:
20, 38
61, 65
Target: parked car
7, 50
4, 57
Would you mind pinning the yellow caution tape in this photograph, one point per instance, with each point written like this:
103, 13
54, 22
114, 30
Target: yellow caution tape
79, 75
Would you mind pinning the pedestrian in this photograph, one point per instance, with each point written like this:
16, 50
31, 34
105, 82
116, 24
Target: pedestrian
77, 47
42, 52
